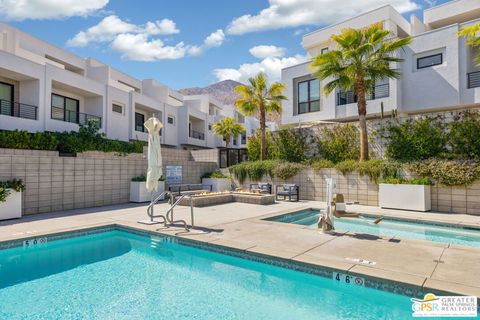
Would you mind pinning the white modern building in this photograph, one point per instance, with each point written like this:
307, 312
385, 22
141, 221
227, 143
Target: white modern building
45, 88
438, 72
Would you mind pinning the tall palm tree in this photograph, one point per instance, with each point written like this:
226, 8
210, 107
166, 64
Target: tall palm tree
259, 98
472, 34
362, 57
227, 128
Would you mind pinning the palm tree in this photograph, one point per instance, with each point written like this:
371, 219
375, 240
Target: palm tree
472, 34
227, 128
259, 98
362, 57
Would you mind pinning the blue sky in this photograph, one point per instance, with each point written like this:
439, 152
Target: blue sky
186, 43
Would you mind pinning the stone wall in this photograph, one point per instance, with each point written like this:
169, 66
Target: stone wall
91, 179
360, 189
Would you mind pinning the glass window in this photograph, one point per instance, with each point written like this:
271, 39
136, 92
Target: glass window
117, 108
324, 50
309, 96
139, 121
170, 120
6, 98
429, 61
65, 109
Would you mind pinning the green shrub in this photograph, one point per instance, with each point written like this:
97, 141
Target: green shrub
339, 143
447, 172
255, 170
290, 145
322, 164
15, 184
419, 181
346, 167
415, 139
86, 139
253, 147
143, 178
464, 137
286, 170
217, 174
378, 168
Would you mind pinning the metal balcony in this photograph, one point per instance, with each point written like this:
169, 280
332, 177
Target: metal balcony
379, 91
75, 117
18, 110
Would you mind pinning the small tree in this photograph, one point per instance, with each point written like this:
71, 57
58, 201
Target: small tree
472, 34
362, 57
227, 128
259, 98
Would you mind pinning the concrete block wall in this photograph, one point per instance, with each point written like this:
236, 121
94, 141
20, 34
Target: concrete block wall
92, 179
360, 189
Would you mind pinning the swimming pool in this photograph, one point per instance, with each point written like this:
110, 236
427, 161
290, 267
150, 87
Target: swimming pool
120, 275
389, 227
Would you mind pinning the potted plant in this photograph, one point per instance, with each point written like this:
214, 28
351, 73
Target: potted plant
405, 194
138, 189
218, 181
11, 199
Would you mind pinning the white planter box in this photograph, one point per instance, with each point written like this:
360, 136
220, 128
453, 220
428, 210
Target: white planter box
139, 193
218, 184
12, 208
404, 196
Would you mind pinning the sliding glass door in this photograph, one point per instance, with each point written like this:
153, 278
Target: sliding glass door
65, 109
6, 99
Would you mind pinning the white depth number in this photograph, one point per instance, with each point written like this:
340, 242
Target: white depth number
34, 242
348, 279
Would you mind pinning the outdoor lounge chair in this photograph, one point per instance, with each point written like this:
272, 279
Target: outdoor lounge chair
288, 190
262, 187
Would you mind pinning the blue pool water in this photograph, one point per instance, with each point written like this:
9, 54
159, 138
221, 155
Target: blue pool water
118, 275
389, 228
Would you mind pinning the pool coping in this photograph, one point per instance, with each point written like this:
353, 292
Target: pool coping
395, 282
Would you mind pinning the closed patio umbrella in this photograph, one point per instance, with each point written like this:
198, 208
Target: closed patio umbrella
154, 171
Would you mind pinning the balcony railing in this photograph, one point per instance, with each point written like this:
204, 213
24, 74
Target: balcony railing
473, 79
379, 91
18, 110
75, 117
197, 135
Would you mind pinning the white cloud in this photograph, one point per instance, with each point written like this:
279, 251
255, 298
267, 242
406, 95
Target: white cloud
294, 13
111, 26
263, 51
48, 9
139, 48
272, 66
215, 39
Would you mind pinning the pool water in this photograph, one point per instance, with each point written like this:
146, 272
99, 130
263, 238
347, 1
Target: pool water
118, 275
389, 228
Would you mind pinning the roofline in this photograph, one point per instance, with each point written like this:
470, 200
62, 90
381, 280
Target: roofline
348, 19
440, 5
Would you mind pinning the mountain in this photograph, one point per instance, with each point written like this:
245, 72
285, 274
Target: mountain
224, 92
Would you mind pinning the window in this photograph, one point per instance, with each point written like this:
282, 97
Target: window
6, 98
65, 109
171, 120
324, 50
429, 61
309, 96
117, 108
139, 121
244, 138
209, 127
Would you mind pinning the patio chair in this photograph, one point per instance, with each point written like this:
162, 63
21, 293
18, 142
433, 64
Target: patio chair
288, 190
262, 187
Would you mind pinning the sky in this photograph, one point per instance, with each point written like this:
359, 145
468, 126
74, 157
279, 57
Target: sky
189, 43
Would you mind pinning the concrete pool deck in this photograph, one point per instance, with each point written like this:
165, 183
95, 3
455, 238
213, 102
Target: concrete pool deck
422, 264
